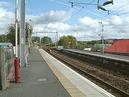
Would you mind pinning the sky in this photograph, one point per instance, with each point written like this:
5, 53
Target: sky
82, 20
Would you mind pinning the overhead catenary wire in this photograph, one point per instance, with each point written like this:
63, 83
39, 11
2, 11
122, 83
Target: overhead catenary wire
109, 12
62, 3
83, 3
80, 9
67, 5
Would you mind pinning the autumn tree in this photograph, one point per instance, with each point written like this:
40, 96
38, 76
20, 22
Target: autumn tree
68, 41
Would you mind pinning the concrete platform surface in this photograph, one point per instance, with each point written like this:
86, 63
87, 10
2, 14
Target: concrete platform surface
99, 54
85, 86
37, 81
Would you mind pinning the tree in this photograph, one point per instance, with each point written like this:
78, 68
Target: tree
11, 32
63, 41
3, 38
81, 44
72, 41
68, 41
46, 40
36, 39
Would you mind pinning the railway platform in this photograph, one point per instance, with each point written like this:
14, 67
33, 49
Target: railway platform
105, 55
38, 80
45, 76
76, 83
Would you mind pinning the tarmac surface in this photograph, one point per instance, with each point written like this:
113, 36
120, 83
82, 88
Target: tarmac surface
37, 81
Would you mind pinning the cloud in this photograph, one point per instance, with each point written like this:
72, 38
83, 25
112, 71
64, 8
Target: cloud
86, 28
87, 21
114, 27
6, 17
52, 21
119, 7
116, 20
52, 27
51, 17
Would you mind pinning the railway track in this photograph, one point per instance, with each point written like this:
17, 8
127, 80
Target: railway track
115, 66
92, 74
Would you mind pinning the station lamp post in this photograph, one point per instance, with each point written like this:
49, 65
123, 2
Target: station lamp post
17, 62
